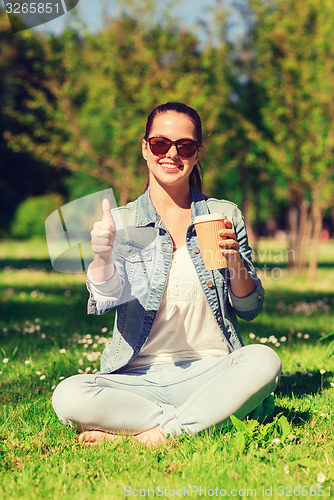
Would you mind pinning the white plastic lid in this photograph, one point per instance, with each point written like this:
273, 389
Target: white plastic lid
208, 218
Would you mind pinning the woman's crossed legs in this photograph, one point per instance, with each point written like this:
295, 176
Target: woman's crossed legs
153, 401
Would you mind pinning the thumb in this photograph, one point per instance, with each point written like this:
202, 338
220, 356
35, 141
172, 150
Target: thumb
106, 207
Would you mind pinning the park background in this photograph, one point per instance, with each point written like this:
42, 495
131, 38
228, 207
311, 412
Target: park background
74, 102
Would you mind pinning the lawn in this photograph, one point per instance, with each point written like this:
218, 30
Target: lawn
46, 335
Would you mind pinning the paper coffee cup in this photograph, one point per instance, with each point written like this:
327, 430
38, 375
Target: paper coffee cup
207, 230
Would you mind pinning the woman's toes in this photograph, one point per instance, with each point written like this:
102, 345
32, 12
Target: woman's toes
94, 437
153, 437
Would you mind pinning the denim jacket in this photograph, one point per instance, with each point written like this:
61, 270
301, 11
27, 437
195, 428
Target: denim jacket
142, 257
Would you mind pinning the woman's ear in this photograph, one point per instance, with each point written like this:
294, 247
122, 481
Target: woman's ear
144, 146
198, 152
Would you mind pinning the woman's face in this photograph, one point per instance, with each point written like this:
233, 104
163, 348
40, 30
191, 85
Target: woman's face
170, 168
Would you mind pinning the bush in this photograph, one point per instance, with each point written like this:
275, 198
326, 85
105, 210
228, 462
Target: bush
29, 219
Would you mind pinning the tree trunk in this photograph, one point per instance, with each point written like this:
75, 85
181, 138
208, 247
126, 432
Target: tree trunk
304, 233
246, 204
315, 240
293, 235
246, 209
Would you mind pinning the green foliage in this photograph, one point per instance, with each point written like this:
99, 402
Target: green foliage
252, 435
80, 184
30, 216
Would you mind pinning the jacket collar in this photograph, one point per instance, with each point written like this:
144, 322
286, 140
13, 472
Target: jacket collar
146, 213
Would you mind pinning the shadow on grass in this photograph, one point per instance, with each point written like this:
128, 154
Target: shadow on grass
296, 417
298, 386
20, 306
37, 264
278, 300
302, 384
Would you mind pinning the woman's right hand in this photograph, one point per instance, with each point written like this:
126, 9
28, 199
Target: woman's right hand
103, 234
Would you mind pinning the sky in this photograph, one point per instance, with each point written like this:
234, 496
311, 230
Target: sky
90, 11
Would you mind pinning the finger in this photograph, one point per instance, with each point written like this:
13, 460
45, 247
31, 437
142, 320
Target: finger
103, 239
227, 233
103, 235
229, 244
228, 254
228, 224
106, 207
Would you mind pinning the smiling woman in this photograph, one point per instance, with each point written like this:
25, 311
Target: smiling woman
176, 363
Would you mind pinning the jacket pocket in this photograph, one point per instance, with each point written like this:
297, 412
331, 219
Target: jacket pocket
137, 261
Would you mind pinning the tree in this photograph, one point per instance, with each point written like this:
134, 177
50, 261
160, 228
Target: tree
20, 56
295, 67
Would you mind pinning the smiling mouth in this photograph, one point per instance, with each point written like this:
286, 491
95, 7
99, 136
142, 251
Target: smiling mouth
170, 165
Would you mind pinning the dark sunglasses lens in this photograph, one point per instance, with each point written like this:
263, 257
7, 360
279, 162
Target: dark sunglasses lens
187, 149
159, 146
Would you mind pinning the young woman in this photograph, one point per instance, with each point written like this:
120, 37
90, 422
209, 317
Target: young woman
176, 362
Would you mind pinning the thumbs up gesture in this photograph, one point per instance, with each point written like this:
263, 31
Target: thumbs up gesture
103, 233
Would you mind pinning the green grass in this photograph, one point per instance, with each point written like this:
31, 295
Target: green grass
46, 335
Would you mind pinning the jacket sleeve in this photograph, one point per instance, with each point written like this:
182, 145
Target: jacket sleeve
250, 306
104, 296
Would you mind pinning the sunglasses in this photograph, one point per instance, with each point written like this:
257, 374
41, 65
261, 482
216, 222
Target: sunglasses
159, 146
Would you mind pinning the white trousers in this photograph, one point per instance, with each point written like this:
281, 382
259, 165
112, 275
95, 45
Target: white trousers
188, 396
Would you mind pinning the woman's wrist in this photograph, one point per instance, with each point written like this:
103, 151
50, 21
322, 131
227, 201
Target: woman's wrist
102, 269
242, 283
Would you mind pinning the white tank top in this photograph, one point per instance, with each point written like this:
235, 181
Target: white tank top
185, 328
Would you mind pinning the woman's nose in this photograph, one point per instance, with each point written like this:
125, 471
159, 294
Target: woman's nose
172, 152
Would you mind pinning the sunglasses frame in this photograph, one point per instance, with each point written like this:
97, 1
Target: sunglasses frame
173, 143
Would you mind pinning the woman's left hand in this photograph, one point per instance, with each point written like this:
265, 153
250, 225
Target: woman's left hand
242, 284
228, 243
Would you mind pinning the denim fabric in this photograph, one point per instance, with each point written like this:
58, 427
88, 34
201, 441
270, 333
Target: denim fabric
142, 257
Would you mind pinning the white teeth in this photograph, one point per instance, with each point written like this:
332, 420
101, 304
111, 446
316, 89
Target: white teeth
168, 165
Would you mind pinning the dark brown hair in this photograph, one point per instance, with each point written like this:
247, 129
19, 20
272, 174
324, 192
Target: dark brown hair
196, 176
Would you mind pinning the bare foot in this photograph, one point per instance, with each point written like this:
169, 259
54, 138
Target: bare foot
91, 438
152, 437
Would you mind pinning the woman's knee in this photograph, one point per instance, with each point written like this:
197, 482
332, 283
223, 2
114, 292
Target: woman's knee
65, 398
265, 361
